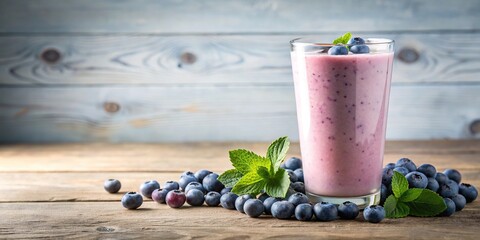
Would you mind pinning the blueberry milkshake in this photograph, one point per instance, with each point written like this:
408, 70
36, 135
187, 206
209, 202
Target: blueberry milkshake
342, 94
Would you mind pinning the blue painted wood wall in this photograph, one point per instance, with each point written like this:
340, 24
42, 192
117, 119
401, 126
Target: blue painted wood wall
218, 70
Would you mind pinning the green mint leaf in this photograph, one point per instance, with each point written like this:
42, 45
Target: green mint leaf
250, 183
245, 161
399, 184
230, 177
263, 172
395, 209
343, 39
410, 195
428, 204
277, 151
278, 186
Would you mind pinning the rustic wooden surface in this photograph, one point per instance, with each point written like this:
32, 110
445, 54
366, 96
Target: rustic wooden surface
246, 16
166, 71
56, 191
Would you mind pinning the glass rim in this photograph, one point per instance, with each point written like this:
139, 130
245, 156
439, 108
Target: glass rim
303, 41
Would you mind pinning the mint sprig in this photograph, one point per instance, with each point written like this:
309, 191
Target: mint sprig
414, 201
253, 173
343, 39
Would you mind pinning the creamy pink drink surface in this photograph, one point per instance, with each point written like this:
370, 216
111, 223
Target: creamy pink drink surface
342, 103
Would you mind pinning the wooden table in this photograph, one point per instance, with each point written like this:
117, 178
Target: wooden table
57, 191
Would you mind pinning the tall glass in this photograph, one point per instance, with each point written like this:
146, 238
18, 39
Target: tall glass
342, 105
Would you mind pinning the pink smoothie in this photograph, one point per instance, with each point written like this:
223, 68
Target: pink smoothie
342, 104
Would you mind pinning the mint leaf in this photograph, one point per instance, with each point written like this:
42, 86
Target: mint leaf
245, 161
277, 151
428, 204
395, 209
251, 183
399, 184
343, 39
410, 195
230, 177
278, 186
263, 172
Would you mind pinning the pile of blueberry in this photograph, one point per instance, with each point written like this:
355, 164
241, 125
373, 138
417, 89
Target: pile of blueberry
447, 184
357, 46
203, 187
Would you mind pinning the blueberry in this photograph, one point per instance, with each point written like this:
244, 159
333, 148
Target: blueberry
147, 188
298, 198
187, 173
240, 201
210, 183
406, 163
175, 198
416, 180
195, 197
348, 210
112, 185
401, 170
225, 190
449, 189
338, 50
228, 200
390, 165
200, 174
290, 192
453, 174
356, 41
212, 199
159, 195
387, 175
292, 176
325, 212
283, 209
299, 173
195, 185
253, 207
185, 180
268, 204
428, 169
383, 194
450, 207
298, 187
433, 184
359, 49
304, 212
374, 213
132, 200
459, 201
263, 196
293, 163
171, 185
441, 178
468, 191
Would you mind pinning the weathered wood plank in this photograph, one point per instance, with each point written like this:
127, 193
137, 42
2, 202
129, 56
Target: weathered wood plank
213, 60
108, 220
176, 158
214, 16
260, 113
87, 186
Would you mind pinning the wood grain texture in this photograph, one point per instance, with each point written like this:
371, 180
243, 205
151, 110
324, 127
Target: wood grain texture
216, 16
254, 113
217, 60
45, 203
176, 158
82, 220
